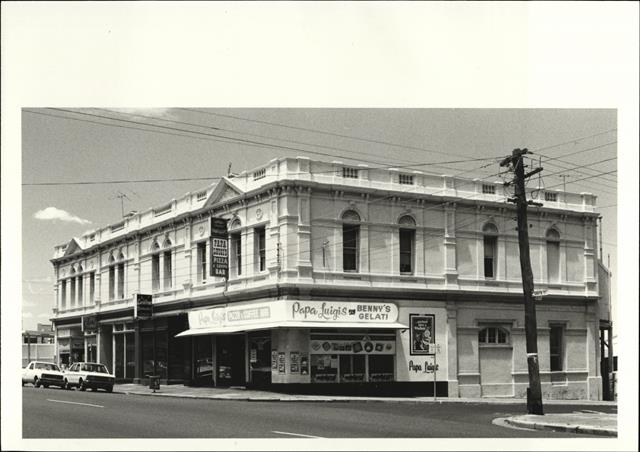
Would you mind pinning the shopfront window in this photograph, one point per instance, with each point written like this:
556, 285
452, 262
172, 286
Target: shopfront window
352, 356
352, 368
381, 367
324, 368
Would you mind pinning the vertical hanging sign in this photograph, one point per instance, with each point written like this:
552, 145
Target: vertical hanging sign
219, 248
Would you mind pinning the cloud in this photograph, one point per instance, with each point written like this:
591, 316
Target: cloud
55, 214
47, 279
27, 315
155, 112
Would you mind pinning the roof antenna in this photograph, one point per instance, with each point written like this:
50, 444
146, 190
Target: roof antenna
229, 170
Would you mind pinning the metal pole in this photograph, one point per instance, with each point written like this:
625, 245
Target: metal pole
435, 366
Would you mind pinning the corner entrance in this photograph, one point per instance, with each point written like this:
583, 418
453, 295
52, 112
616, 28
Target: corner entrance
230, 360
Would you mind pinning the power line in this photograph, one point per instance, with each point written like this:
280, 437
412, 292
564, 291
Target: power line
574, 140
368, 154
322, 132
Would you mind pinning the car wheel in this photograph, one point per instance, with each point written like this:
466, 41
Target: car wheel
66, 384
45, 386
109, 388
83, 387
36, 382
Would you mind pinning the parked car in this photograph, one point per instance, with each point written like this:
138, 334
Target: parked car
42, 374
89, 375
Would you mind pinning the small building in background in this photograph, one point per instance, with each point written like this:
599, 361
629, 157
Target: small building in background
38, 344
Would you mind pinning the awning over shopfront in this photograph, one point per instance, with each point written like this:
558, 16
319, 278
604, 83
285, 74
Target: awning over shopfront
285, 324
254, 316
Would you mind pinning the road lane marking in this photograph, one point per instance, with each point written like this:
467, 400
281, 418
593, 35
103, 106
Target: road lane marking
295, 434
75, 403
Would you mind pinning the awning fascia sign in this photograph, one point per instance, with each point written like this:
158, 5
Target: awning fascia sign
291, 324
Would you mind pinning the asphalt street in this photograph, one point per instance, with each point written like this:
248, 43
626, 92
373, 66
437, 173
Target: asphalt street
56, 413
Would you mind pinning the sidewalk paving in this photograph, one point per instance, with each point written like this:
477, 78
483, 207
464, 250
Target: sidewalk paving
586, 421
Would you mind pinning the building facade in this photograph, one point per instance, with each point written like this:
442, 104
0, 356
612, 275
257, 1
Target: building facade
333, 277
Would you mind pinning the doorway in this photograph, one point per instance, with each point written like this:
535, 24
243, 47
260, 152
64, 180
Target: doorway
230, 360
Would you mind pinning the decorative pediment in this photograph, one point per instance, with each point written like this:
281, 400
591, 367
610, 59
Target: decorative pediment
225, 190
73, 247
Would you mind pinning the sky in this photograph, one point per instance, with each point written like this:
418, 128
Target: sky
68, 147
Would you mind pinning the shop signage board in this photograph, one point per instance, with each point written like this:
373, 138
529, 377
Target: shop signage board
334, 311
143, 306
233, 315
89, 323
219, 248
342, 347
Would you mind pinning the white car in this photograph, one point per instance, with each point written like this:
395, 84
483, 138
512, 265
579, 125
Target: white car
42, 374
89, 375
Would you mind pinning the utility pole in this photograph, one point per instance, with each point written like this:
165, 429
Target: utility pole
534, 391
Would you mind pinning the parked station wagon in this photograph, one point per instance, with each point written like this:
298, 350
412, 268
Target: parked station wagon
89, 375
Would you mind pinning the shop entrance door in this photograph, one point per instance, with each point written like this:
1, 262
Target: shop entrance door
230, 360
203, 365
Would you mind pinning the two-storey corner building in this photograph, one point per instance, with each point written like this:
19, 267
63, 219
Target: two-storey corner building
340, 278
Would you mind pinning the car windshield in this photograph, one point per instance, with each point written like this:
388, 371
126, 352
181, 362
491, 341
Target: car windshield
98, 368
47, 366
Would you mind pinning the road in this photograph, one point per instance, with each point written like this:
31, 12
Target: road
56, 413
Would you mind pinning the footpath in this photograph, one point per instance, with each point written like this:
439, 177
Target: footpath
583, 421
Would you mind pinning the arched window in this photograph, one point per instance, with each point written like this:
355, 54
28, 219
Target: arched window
112, 278
72, 287
407, 239
167, 265
350, 240
490, 240
235, 248
493, 335
120, 274
553, 256
155, 267
79, 285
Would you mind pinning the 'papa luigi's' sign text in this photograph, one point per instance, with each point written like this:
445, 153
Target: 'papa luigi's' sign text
329, 311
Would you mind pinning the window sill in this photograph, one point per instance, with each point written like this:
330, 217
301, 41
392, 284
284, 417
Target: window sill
495, 346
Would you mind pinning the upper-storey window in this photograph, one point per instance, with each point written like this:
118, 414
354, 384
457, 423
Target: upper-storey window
120, 268
63, 293
80, 286
167, 266
92, 287
493, 336
351, 173
112, 278
260, 246
202, 262
488, 189
155, 267
235, 245
72, 287
490, 240
405, 179
350, 241
553, 256
407, 237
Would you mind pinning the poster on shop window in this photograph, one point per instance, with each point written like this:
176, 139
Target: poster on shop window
422, 329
